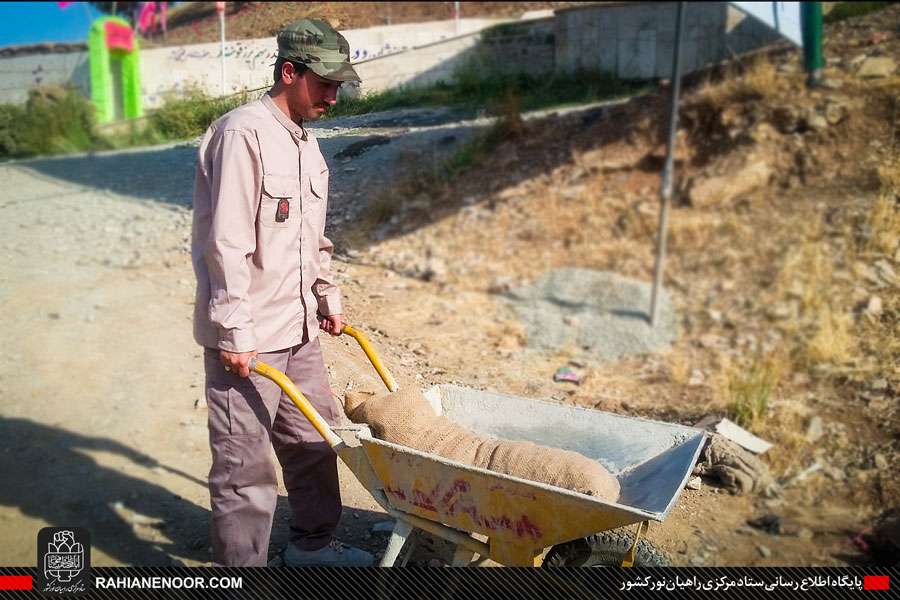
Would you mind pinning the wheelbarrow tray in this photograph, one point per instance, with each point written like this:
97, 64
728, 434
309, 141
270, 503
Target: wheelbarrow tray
651, 460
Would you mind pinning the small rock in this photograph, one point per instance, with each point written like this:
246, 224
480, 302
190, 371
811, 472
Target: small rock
722, 189
804, 533
54, 316
857, 60
877, 67
881, 462
879, 385
886, 271
835, 112
764, 551
200, 403
709, 340
874, 306
770, 523
696, 378
695, 483
698, 561
817, 122
814, 429
832, 84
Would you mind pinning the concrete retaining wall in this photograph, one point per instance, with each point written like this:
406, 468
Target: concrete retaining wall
636, 41
21, 73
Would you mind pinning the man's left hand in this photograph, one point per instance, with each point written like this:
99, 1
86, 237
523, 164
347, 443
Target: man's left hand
332, 324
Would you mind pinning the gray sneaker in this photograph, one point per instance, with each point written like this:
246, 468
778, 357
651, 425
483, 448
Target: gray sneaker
335, 554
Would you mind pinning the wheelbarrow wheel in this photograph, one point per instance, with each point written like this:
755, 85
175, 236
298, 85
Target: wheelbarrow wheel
605, 549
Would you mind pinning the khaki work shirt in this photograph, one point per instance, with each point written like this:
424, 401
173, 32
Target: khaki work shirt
262, 260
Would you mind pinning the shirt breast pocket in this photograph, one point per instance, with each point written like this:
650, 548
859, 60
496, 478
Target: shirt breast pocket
316, 192
278, 205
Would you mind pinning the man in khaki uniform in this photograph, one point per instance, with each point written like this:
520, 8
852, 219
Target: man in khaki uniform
264, 288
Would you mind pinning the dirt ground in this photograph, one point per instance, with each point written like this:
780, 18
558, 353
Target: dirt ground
101, 391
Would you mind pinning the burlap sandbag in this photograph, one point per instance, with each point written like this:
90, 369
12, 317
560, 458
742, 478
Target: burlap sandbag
406, 418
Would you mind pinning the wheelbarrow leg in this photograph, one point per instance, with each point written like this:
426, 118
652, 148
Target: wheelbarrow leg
462, 557
401, 532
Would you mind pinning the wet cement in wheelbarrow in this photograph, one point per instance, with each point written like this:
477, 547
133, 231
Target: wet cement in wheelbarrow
595, 315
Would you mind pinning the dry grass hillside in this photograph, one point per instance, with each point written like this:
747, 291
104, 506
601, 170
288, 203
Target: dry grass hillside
784, 258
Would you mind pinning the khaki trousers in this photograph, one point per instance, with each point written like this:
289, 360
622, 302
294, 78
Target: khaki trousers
247, 418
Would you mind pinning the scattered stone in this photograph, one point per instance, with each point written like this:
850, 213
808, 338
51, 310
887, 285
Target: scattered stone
696, 378
877, 67
770, 523
719, 190
835, 112
695, 483
814, 429
879, 385
886, 271
745, 530
698, 561
816, 122
711, 341
881, 462
804, 533
832, 84
764, 551
874, 306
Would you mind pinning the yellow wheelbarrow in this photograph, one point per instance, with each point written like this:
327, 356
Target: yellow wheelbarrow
518, 522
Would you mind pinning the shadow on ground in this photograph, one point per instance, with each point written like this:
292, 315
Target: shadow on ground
47, 475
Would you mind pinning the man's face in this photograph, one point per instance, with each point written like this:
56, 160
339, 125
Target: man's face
308, 95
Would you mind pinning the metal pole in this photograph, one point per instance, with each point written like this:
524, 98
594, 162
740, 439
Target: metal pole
811, 24
221, 12
665, 190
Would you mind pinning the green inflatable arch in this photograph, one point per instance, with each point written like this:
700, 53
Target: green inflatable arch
115, 70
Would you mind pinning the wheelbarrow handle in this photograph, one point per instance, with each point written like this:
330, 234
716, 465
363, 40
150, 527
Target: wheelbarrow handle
297, 397
373, 357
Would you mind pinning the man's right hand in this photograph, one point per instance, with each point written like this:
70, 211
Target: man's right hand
237, 362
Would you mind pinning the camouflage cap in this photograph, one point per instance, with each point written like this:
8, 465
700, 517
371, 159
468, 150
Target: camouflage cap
316, 44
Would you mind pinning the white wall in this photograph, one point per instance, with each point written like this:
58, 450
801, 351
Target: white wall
248, 62
19, 74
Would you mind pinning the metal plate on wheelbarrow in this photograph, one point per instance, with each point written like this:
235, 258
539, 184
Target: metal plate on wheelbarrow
652, 461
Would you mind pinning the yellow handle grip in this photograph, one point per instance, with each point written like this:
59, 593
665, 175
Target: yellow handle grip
270, 372
385, 375
297, 397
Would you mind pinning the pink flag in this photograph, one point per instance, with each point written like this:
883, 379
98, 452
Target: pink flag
147, 17
64, 4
